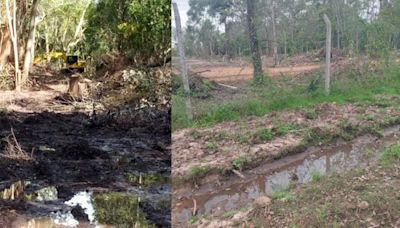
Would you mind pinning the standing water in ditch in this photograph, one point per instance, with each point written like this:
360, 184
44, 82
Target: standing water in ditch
236, 193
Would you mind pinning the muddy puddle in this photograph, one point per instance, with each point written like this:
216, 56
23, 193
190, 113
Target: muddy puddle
109, 175
44, 209
235, 193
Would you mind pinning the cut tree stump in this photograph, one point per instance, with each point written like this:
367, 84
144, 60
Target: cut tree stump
73, 86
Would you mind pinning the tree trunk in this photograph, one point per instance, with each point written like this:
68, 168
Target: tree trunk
12, 27
78, 31
184, 74
328, 54
5, 46
73, 86
254, 46
46, 36
274, 39
30, 43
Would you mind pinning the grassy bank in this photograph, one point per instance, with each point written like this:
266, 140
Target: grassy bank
279, 94
360, 198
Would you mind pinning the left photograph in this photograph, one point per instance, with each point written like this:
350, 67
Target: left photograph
85, 133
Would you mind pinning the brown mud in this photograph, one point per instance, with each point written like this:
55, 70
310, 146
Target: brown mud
215, 198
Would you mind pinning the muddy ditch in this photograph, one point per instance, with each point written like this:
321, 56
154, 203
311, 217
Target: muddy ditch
74, 173
216, 197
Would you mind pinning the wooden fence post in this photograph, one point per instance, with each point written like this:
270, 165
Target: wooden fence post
328, 54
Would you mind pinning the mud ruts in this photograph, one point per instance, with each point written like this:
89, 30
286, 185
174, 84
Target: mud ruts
235, 193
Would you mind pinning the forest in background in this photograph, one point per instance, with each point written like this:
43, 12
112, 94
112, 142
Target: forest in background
290, 27
138, 32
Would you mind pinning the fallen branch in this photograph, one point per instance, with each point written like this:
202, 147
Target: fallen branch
199, 72
194, 207
238, 173
227, 86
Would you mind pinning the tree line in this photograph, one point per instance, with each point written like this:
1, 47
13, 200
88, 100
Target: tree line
290, 27
139, 30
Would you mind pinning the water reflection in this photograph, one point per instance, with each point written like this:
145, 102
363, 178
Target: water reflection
116, 209
343, 157
338, 162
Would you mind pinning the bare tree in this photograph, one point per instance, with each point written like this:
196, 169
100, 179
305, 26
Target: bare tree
274, 39
181, 48
328, 54
30, 44
254, 46
5, 45
78, 30
12, 27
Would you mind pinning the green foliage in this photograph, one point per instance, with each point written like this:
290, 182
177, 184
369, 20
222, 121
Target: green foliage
119, 209
212, 145
197, 172
239, 163
179, 117
62, 18
316, 176
361, 88
284, 196
193, 220
285, 128
299, 27
311, 114
390, 155
139, 29
148, 179
264, 134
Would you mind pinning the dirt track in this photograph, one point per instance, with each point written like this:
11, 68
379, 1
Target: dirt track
222, 72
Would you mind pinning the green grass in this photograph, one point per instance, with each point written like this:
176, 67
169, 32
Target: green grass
264, 134
212, 145
390, 155
147, 179
193, 220
239, 163
120, 210
285, 128
316, 176
281, 129
284, 196
360, 88
198, 172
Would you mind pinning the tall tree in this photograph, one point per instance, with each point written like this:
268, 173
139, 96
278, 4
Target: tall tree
30, 43
274, 37
255, 49
12, 27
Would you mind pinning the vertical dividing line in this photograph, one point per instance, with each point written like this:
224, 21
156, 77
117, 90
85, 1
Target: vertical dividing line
184, 73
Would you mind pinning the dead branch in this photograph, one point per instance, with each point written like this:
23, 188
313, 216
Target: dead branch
238, 173
13, 149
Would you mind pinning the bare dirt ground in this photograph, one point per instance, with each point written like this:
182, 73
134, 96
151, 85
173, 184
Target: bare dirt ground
254, 138
238, 71
222, 72
68, 147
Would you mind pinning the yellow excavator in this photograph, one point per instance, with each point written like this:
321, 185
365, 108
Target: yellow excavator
71, 63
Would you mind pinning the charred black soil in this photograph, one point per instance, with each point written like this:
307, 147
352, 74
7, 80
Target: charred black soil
75, 152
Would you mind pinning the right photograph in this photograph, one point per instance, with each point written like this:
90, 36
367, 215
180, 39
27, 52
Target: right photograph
286, 113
